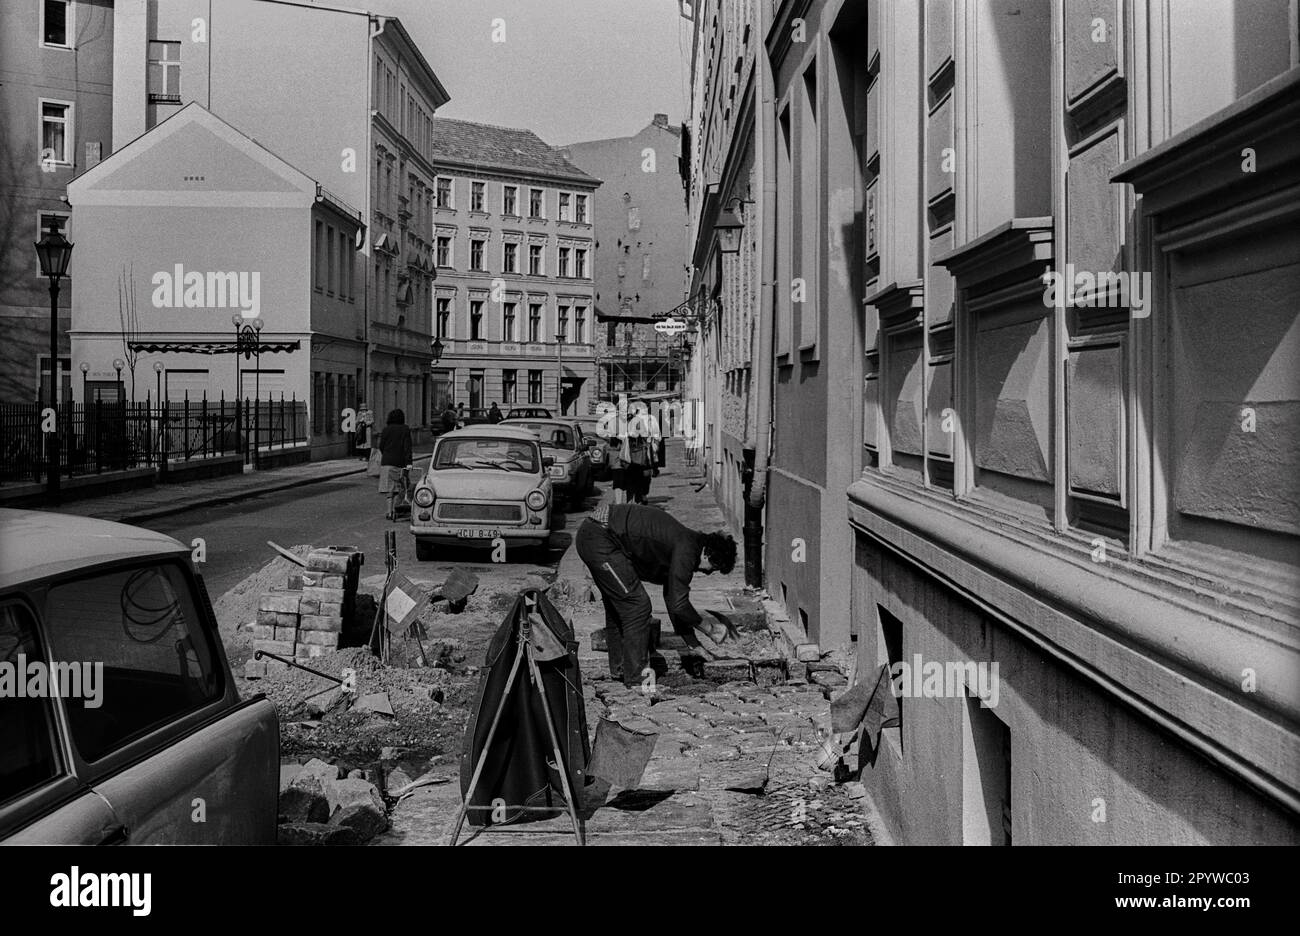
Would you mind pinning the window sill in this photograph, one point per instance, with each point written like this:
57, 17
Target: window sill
1167, 648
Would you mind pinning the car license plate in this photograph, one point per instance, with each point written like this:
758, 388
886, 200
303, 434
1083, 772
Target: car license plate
478, 534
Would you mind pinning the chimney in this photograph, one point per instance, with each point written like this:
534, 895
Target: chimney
661, 120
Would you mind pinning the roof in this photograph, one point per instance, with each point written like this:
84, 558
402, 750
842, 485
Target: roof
560, 421
35, 544
507, 148
490, 430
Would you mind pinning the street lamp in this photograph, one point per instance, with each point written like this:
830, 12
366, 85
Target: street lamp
118, 364
728, 226
559, 376
158, 370
85, 369
54, 252
249, 343
436, 348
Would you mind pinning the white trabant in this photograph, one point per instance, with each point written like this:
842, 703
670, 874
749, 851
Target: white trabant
484, 482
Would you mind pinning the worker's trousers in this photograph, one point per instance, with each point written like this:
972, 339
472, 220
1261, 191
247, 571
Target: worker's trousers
627, 606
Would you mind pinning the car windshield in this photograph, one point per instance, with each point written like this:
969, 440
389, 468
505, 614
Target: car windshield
556, 437
486, 454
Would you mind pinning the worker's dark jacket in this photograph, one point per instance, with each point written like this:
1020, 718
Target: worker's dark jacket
664, 552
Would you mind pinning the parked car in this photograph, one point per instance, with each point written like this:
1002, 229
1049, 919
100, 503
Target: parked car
564, 441
483, 482
529, 412
147, 723
601, 457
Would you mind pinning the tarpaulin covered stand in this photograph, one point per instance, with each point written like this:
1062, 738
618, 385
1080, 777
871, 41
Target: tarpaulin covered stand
526, 751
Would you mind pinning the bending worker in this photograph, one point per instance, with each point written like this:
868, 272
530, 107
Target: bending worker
624, 545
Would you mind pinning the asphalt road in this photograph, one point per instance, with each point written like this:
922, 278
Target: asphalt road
346, 511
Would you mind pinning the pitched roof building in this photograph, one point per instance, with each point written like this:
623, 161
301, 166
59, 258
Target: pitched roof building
514, 303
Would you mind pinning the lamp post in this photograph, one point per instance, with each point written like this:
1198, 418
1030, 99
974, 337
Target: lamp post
118, 364
54, 252
85, 369
559, 376
249, 343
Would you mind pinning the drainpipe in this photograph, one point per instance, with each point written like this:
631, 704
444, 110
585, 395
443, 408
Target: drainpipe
765, 129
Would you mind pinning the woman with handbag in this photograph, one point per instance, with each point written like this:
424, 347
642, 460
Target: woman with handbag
396, 455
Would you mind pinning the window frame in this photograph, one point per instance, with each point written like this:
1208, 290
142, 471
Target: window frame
168, 66
448, 262
581, 200
477, 188
509, 263
514, 192
477, 254
69, 27
69, 131
438, 191
537, 252
537, 198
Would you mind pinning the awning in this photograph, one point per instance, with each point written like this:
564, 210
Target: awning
228, 346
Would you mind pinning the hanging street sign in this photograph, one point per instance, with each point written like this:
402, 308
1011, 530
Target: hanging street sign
670, 327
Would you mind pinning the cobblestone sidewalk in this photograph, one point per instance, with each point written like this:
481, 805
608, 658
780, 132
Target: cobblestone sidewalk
734, 762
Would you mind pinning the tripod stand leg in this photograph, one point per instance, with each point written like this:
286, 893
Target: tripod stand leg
487, 745
560, 765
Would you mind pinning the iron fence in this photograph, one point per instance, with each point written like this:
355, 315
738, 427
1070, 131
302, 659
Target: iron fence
107, 435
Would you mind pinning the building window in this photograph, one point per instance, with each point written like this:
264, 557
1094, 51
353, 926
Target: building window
331, 270
476, 196
580, 324
580, 262
535, 203
444, 316
580, 209
320, 255
508, 321
164, 71
510, 258
566, 206
563, 322
56, 23
476, 320
509, 385
444, 250
535, 260
534, 321
510, 200
444, 193
345, 268
564, 261
476, 254
534, 386
56, 132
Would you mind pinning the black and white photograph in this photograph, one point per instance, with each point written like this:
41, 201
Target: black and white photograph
651, 423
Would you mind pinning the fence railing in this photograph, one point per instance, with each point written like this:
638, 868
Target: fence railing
106, 435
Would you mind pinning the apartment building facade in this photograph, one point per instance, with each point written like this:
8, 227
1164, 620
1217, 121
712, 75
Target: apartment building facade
1046, 244
363, 96
640, 258
723, 170
56, 111
515, 301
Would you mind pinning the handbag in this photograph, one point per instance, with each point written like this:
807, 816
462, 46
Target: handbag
373, 467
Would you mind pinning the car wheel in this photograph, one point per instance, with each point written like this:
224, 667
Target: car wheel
423, 550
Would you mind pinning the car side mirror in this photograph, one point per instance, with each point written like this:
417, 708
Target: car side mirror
548, 461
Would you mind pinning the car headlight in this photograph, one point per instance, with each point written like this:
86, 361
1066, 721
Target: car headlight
424, 497
535, 500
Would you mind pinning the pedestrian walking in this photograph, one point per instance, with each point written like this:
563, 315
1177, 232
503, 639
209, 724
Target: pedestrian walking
449, 418
625, 545
494, 415
396, 455
460, 415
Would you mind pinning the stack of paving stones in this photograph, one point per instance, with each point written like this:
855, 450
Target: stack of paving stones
306, 620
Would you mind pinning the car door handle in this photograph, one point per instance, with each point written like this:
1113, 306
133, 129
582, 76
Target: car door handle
117, 835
